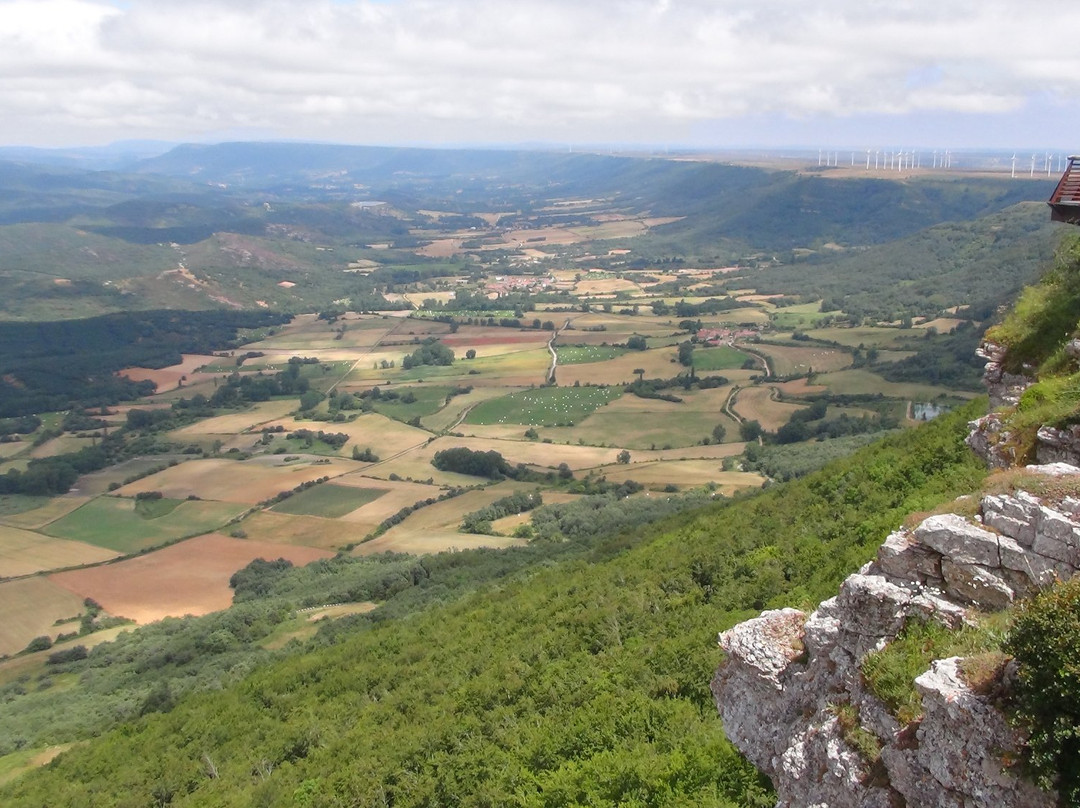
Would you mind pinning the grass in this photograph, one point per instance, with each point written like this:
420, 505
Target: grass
805, 316
12, 504
155, 508
723, 357
429, 400
855, 735
1052, 401
15, 764
544, 406
328, 500
114, 523
890, 673
583, 354
671, 426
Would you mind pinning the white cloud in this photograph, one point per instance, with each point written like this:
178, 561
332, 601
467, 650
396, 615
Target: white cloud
481, 70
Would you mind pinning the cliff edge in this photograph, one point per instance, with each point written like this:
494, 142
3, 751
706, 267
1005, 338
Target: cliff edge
792, 691
853, 705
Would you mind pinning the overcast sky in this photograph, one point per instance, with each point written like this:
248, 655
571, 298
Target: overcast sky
819, 73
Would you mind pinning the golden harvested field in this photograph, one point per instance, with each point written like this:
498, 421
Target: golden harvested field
416, 465
544, 236
616, 325
399, 494
492, 431
170, 378
234, 481
13, 668
384, 435
30, 608
234, 422
573, 337
49, 512
685, 473
61, 445
304, 531
440, 248
191, 577
519, 342
799, 387
943, 324
658, 363
98, 482
13, 448
757, 404
23, 552
445, 517
508, 524
787, 360
605, 286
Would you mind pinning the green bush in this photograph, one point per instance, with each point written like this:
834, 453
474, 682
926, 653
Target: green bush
1044, 317
1045, 641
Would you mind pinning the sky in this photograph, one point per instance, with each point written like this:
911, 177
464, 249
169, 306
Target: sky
678, 73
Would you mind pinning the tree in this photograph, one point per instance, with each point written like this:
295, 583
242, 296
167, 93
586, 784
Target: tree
431, 352
310, 400
719, 432
640, 373
750, 430
686, 354
637, 343
623, 457
470, 354
1045, 641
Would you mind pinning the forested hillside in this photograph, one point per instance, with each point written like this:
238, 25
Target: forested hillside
584, 682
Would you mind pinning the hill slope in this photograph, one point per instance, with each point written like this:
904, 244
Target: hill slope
585, 683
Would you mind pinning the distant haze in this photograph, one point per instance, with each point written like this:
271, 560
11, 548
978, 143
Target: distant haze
846, 74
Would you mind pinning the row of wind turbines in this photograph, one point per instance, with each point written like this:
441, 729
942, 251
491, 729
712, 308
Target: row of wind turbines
901, 160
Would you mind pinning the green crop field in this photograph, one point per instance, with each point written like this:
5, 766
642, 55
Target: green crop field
327, 500
547, 406
581, 354
722, 358
115, 523
429, 400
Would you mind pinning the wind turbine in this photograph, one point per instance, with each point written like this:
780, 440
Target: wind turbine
1014, 166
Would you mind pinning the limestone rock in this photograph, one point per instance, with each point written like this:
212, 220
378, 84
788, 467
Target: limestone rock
957, 539
964, 743
785, 672
1058, 445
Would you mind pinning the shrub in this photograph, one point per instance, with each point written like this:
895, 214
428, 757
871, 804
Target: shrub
1045, 641
42, 643
73, 654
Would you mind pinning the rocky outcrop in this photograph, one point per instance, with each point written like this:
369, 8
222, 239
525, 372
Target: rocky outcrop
1003, 387
989, 437
789, 677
